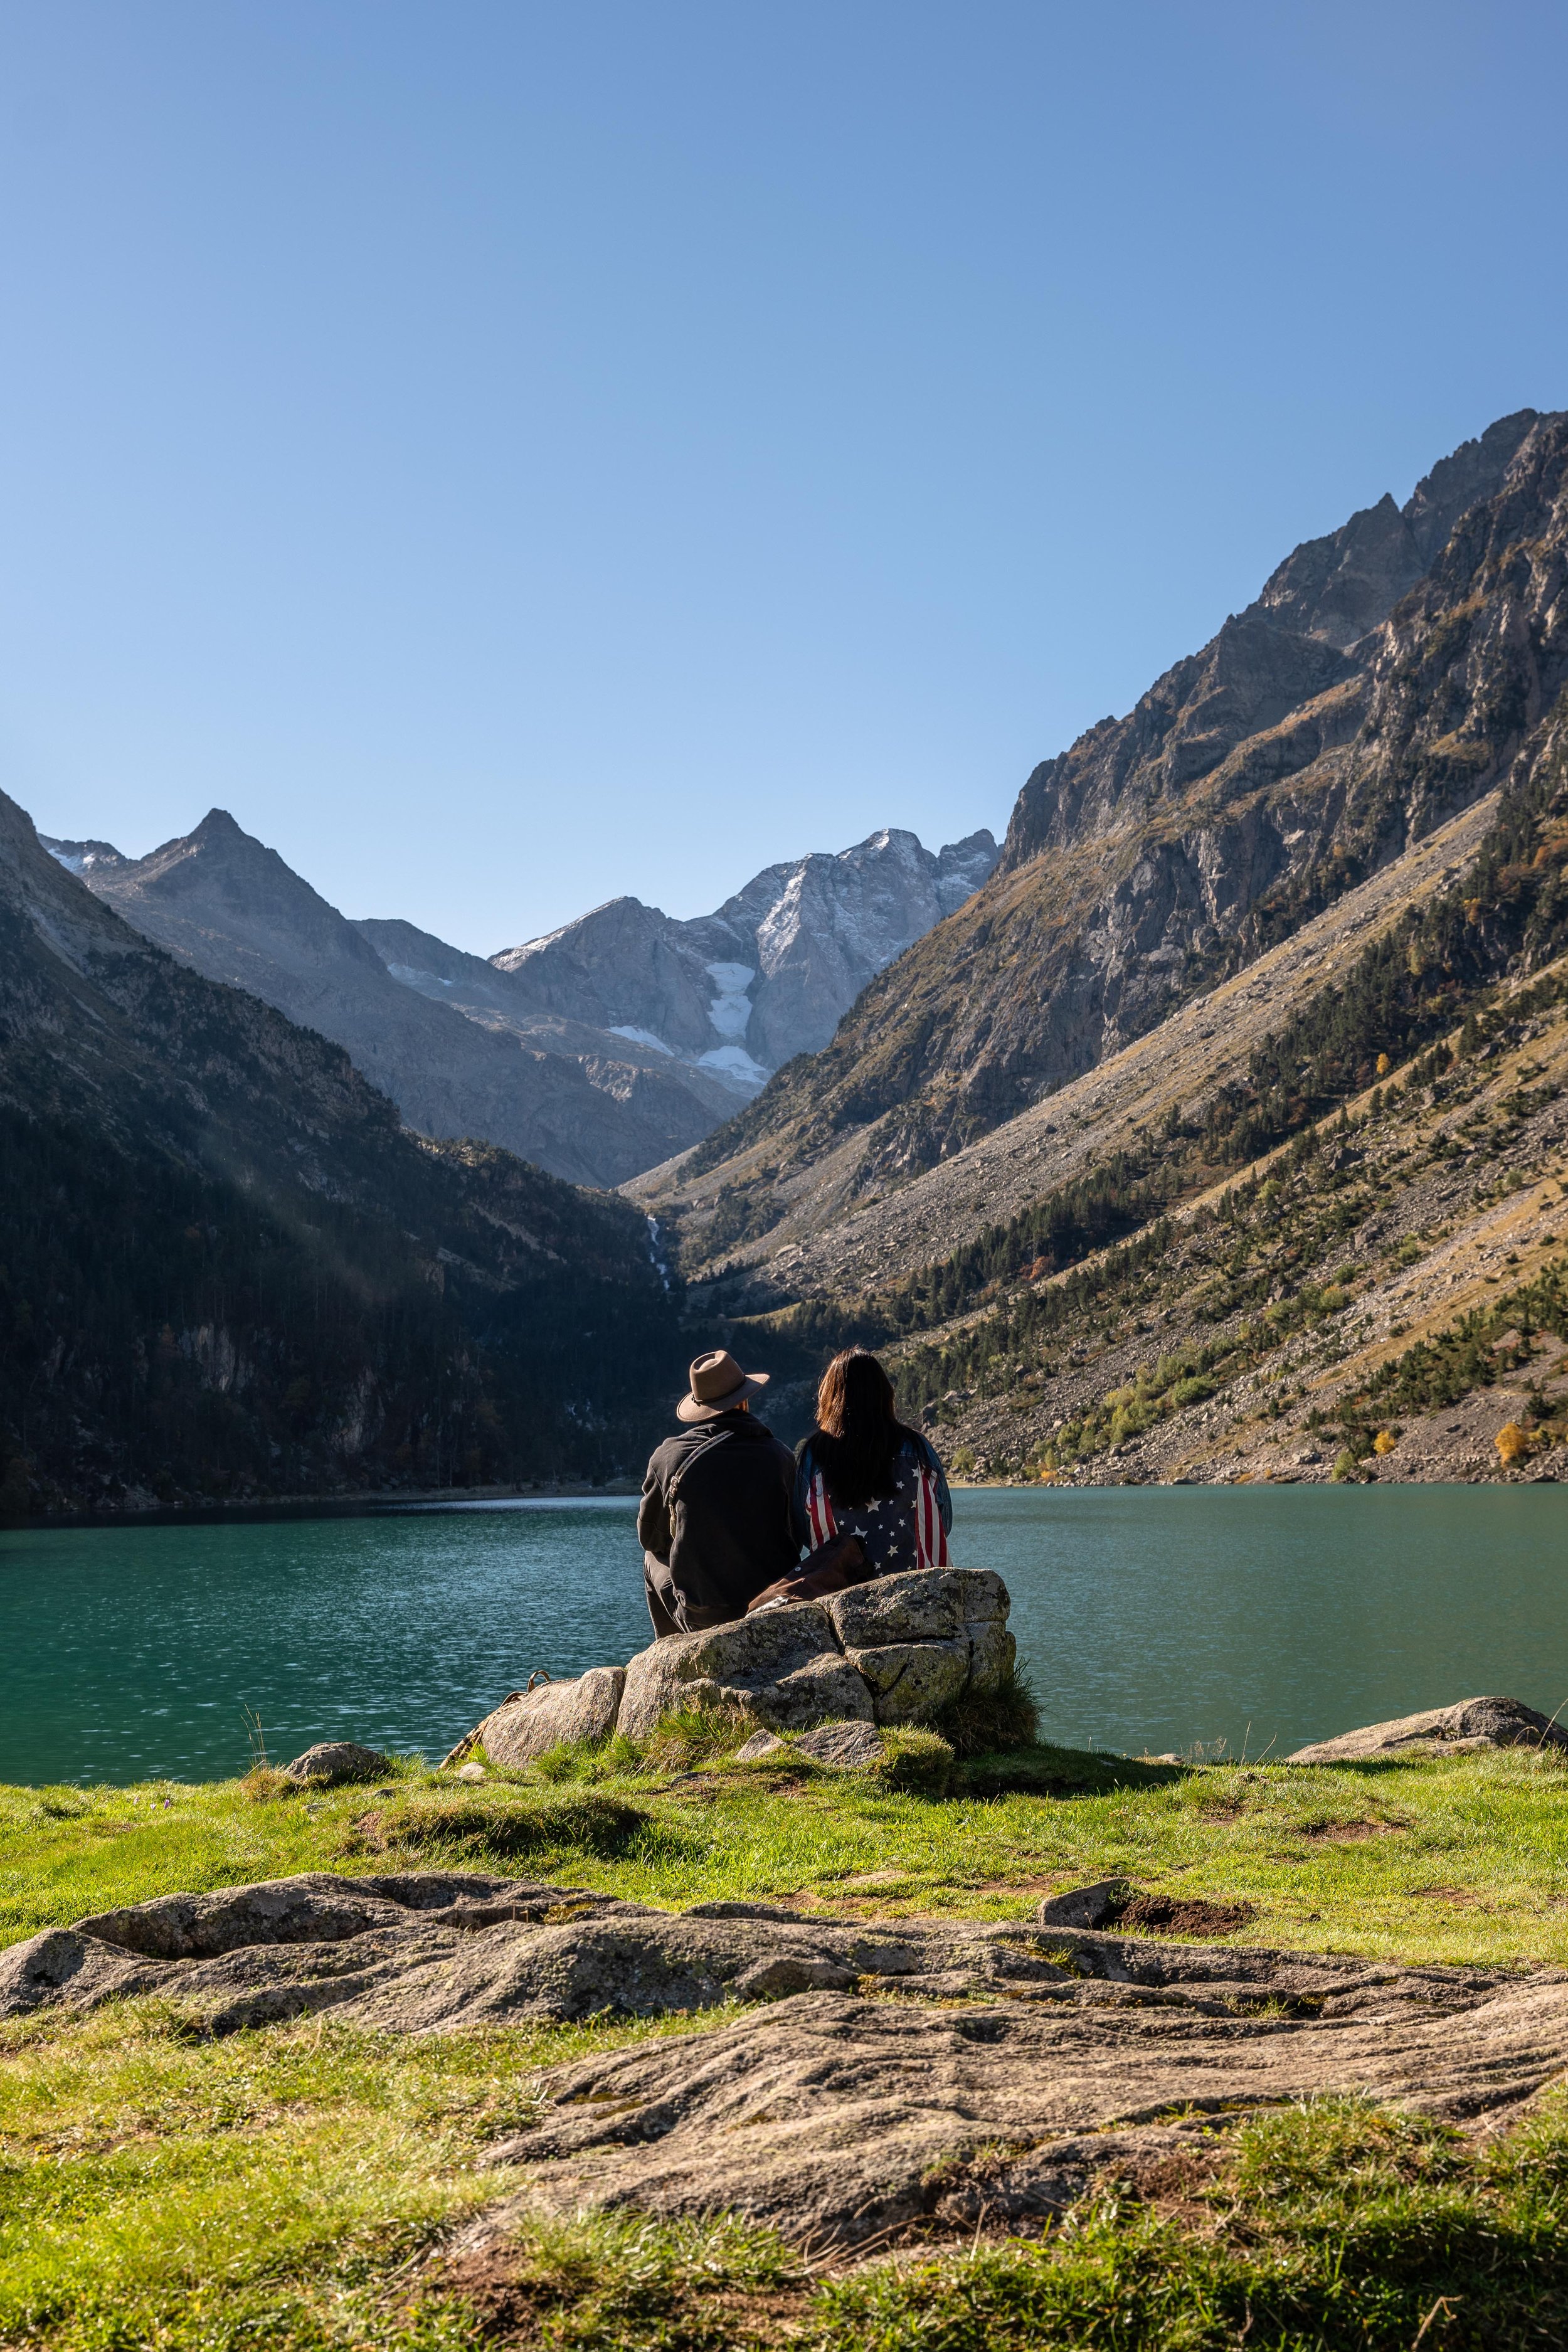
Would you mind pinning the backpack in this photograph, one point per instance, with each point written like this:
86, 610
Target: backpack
832, 1568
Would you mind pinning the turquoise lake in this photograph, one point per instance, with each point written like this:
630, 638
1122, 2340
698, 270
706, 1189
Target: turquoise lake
1148, 1618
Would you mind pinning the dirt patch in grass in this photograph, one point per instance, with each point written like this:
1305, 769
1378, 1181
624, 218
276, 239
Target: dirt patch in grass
1171, 1914
1350, 1832
503, 2299
512, 2303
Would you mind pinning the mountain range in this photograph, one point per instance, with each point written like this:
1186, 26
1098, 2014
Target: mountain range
597, 1052
1217, 1133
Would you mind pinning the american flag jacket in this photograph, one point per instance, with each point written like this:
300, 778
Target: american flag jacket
907, 1529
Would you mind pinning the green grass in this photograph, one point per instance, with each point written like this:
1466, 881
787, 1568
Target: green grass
1458, 1859
291, 2188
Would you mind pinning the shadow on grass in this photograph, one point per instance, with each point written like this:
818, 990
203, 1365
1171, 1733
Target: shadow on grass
1042, 1770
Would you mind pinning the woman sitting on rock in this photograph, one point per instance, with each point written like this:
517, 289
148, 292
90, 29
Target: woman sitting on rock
863, 1472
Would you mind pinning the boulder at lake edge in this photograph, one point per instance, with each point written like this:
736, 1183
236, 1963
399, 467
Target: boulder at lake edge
1481, 1722
895, 1650
553, 1715
783, 1667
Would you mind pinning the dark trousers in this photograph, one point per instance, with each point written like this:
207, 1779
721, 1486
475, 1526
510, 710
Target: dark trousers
669, 1607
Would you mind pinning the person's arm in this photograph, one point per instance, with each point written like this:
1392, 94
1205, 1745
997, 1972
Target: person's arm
800, 1518
654, 1531
932, 1462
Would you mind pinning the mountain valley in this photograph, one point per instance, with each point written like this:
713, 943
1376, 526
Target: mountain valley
1212, 1130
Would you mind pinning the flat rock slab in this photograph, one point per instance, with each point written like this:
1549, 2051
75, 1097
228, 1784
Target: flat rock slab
1470, 1722
428, 1951
837, 2119
993, 2071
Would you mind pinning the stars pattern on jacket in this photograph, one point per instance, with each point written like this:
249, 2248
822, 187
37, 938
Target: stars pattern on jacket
886, 1525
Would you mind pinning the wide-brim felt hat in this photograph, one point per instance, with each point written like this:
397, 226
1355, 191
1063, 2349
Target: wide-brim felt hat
717, 1385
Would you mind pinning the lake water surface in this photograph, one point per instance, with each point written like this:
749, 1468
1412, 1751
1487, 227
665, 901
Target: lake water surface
1148, 1618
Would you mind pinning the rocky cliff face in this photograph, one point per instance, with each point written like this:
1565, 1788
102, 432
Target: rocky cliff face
1384, 681
768, 975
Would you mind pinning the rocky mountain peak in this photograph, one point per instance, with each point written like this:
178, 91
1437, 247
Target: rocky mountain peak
1307, 633
1339, 587
771, 973
1386, 681
597, 1052
83, 857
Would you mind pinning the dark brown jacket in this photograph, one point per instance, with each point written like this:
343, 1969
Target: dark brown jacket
717, 1520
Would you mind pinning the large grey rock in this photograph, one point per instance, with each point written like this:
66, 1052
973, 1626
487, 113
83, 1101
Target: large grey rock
1488, 1722
924, 1604
333, 1762
992, 1653
896, 1650
783, 1667
551, 1715
911, 1681
837, 2120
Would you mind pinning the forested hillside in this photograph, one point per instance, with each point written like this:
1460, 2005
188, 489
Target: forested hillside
227, 1270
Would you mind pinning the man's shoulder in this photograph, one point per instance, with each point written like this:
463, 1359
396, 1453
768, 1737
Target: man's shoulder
671, 1452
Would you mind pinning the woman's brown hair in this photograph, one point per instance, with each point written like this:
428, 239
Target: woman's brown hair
859, 1432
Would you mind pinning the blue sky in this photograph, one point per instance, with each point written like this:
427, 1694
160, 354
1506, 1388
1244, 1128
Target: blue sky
511, 455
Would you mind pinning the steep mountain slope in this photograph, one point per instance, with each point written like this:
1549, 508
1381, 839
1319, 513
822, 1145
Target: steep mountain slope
1312, 1225
1315, 738
769, 974
225, 1268
1386, 1296
230, 907
834, 1241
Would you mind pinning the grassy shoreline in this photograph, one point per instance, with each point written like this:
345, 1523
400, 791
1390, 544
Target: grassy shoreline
296, 2185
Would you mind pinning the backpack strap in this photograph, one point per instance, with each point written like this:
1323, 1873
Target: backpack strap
697, 1454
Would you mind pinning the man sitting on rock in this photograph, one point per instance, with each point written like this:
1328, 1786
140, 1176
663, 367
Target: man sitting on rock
717, 1520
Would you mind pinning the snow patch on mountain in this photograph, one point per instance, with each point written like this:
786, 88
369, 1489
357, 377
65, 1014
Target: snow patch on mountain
83, 857
731, 1009
635, 1037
